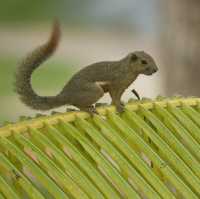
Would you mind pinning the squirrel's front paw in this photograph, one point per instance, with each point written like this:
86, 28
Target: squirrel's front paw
120, 108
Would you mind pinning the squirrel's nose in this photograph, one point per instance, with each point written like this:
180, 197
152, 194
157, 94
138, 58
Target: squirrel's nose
155, 70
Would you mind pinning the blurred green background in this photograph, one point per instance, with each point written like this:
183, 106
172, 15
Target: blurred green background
94, 31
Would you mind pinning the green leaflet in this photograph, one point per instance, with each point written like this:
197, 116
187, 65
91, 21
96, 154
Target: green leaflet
151, 150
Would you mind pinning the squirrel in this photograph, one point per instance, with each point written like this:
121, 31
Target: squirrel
88, 85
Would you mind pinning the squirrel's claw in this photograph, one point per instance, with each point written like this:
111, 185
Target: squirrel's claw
91, 110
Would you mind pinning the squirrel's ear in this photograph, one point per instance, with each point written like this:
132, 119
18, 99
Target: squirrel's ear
133, 57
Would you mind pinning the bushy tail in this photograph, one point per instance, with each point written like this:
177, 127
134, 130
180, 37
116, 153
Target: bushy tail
30, 63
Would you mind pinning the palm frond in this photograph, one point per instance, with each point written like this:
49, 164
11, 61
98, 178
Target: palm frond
152, 150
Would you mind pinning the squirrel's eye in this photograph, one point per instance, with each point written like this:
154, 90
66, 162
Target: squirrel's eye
144, 62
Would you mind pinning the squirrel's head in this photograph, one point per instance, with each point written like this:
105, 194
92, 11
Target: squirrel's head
142, 63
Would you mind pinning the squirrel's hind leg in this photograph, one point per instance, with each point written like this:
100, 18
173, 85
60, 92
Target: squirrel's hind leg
86, 96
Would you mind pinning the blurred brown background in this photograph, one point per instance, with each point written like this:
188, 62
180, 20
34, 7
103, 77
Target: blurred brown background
100, 30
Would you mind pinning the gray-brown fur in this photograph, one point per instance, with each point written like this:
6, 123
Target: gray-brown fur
86, 86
